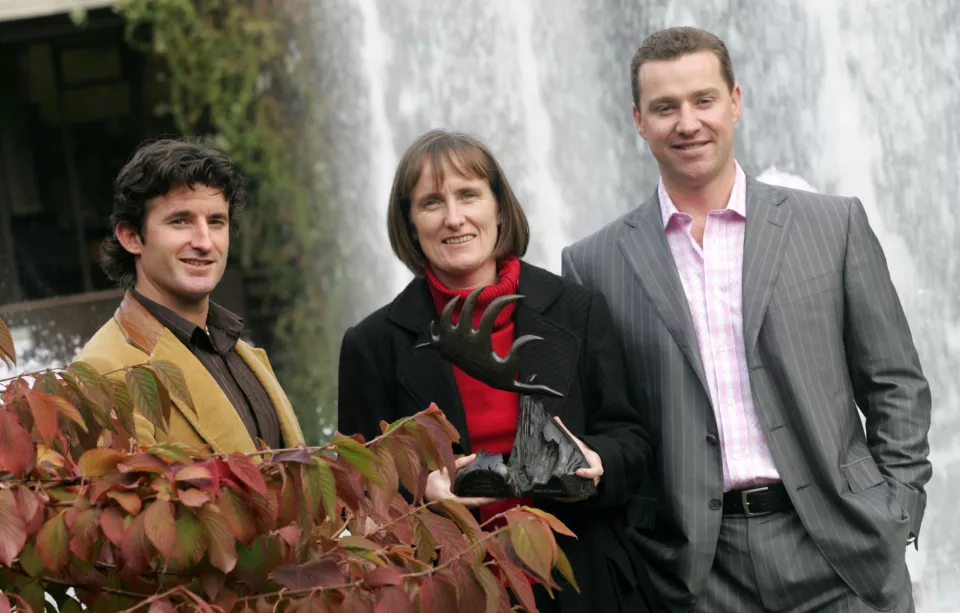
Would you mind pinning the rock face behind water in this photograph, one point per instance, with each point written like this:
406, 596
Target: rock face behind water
542, 463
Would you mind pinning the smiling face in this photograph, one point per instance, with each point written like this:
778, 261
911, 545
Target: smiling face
686, 114
183, 250
456, 224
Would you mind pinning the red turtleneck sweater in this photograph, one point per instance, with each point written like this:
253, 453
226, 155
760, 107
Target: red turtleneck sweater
491, 414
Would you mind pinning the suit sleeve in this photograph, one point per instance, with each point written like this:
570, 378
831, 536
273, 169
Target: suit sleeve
616, 428
888, 382
362, 399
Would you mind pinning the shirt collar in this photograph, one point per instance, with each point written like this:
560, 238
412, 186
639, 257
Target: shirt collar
737, 202
224, 327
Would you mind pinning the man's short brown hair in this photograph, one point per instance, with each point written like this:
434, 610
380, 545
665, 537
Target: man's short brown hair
674, 43
470, 158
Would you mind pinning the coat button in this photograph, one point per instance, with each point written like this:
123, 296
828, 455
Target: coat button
715, 505
711, 440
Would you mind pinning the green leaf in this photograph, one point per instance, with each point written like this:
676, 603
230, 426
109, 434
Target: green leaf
53, 544
145, 392
46, 383
190, 545
33, 595
328, 488
99, 462
17, 451
30, 561
7, 351
172, 452
220, 540
13, 531
124, 406
161, 527
92, 384
555, 524
345, 442
70, 606
490, 585
566, 571
362, 464
534, 545
423, 540
172, 378
247, 472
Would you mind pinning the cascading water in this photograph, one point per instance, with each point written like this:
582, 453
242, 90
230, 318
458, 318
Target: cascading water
852, 98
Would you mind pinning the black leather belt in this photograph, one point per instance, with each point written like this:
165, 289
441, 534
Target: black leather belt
757, 501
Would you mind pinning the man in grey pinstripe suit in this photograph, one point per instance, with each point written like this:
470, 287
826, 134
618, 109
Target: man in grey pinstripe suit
756, 320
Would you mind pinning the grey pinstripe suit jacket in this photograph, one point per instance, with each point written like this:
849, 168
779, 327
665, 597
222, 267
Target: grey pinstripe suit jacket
824, 333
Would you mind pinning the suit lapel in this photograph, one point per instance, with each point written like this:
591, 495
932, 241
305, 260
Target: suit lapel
768, 226
423, 374
216, 421
289, 426
553, 360
648, 255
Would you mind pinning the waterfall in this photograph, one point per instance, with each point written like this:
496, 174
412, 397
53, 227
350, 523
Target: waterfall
851, 98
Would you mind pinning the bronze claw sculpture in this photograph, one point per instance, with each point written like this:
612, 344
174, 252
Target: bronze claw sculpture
544, 458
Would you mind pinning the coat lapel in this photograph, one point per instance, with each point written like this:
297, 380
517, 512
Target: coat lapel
648, 255
552, 360
215, 420
423, 374
289, 425
768, 226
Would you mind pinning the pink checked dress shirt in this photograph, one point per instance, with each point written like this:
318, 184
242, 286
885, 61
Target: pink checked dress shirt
712, 278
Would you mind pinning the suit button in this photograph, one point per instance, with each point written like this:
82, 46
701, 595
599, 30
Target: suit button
715, 505
711, 440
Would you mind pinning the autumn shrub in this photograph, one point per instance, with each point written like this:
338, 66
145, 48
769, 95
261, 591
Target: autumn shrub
92, 518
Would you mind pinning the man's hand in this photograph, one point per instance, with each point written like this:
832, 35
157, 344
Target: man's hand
595, 465
438, 485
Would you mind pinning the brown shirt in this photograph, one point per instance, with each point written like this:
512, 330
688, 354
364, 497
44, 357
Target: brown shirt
217, 352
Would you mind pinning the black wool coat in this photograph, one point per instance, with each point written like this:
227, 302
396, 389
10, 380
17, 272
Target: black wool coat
382, 377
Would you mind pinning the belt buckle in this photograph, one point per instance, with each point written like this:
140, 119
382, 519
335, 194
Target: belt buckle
746, 505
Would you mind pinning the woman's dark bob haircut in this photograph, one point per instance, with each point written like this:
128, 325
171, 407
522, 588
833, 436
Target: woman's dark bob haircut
470, 158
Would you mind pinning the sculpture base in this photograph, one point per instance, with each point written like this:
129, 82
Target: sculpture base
542, 463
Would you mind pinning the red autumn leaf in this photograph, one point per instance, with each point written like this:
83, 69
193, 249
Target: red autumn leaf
53, 543
359, 457
44, 416
220, 540
161, 606
99, 462
266, 509
328, 487
407, 464
135, 546
555, 524
313, 574
4, 601
463, 518
171, 452
225, 601
30, 507
247, 472
290, 534
381, 496
190, 544
534, 545
13, 532
193, 498
437, 595
17, 451
312, 483
297, 456
445, 532
112, 524
84, 532
198, 476
289, 503
143, 462
519, 585
50, 405
471, 596
161, 527
423, 540
393, 600
130, 502
383, 576
434, 412
238, 514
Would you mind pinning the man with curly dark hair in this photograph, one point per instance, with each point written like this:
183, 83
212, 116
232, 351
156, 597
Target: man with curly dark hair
175, 203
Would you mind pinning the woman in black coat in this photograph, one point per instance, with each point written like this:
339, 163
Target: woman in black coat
455, 222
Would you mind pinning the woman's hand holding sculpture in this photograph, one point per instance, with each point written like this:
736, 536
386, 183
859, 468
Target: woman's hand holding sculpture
595, 469
439, 485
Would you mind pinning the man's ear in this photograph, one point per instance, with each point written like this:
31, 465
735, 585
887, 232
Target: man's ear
638, 122
129, 238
